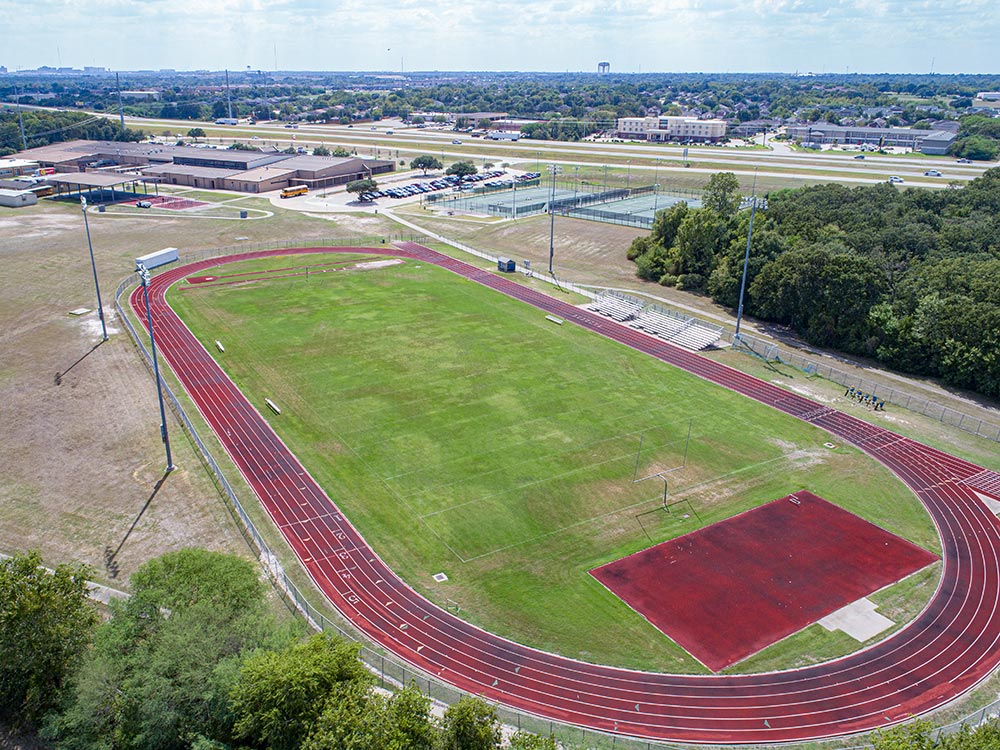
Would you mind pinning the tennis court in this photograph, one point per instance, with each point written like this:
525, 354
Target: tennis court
629, 206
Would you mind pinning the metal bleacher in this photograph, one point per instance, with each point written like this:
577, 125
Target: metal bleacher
680, 330
617, 308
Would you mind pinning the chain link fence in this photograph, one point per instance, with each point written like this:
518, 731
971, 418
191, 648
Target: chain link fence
391, 672
771, 352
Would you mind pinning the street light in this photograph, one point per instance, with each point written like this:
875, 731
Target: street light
144, 276
93, 266
554, 170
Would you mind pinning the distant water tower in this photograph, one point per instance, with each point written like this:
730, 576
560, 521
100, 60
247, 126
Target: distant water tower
603, 67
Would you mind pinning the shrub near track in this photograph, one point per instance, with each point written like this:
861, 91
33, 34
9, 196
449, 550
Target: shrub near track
464, 433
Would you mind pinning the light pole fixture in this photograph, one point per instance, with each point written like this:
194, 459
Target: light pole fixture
144, 276
93, 267
553, 170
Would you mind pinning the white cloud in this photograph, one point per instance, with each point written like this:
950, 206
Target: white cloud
710, 35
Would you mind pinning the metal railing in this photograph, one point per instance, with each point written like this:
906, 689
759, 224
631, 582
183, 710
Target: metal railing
391, 671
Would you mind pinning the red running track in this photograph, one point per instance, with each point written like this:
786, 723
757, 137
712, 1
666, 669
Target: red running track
948, 649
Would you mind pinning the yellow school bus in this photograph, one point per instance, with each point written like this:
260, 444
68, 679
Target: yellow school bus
291, 192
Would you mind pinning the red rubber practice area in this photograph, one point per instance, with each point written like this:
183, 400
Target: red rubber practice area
948, 649
733, 588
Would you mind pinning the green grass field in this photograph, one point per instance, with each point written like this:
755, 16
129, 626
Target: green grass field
464, 433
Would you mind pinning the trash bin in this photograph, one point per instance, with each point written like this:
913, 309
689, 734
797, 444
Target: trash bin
243, 214
101, 209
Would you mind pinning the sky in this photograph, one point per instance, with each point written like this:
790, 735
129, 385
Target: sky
818, 36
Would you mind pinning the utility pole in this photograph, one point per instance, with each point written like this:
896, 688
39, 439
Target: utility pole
229, 101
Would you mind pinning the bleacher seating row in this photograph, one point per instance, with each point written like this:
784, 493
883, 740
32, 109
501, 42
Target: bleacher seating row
616, 308
686, 333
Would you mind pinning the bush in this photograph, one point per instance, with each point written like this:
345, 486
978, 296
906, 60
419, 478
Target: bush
691, 282
668, 279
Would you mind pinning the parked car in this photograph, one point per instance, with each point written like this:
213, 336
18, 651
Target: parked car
932, 173
143, 204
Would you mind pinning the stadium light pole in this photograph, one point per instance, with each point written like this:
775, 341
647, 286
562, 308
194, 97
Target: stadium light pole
144, 276
656, 186
554, 170
93, 267
628, 174
746, 259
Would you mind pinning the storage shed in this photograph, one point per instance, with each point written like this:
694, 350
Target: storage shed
506, 265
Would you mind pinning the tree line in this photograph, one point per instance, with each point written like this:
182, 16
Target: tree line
43, 127
908, 278
196, 658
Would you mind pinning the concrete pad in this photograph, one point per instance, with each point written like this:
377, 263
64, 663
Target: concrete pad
989, 502
858, 619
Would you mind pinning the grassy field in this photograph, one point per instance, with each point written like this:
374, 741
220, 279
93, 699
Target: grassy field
465, 434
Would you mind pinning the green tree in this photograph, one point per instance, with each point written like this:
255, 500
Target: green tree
722, 194
470, 724
356, 718
321, 150
358, 187
528, 741
462, 169
196, 133
279, 696
162, 667
913, 736
46, 622
701, 235
976, 147
425, 162
825, 292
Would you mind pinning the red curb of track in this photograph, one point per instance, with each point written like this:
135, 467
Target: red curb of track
948, 649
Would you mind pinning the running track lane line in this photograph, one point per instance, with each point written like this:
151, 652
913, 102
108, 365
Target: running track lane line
948, 649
